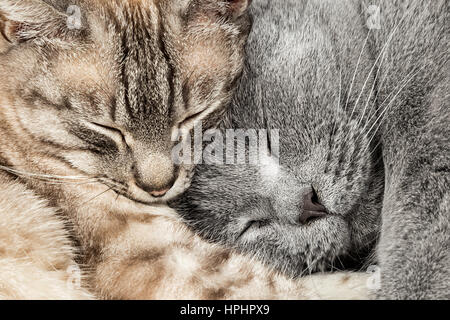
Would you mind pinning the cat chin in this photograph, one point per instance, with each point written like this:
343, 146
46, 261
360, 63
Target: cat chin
300, 249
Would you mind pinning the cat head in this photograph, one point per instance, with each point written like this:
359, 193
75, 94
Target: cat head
103, 86
316, 198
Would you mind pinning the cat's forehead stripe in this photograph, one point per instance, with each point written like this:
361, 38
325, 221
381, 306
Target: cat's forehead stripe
145, 70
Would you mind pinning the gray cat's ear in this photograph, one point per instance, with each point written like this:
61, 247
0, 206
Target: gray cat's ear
27, 20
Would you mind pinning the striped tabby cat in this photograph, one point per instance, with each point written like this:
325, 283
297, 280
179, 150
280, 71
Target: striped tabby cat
87, 111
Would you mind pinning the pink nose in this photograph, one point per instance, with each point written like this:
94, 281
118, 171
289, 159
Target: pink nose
160, 193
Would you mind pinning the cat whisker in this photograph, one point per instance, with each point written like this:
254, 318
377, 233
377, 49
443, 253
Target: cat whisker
67, 182
341, 264
387, 108
356, 71
118, 187
46, 177
387, 71
374, 150
382, 55
382, 106
372, 89
339, 99
374, 103
367, 79
100, 194
380, 86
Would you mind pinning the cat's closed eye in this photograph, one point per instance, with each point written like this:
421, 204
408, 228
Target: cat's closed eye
252, 225
116, 134
191, 119
126, 79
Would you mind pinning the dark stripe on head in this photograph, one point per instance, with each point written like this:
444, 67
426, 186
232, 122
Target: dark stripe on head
147, 69
123, 65
113, 108
163, 48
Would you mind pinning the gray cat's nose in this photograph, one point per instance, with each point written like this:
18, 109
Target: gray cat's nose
312, 208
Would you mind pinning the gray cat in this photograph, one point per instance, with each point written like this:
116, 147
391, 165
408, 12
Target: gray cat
360, 92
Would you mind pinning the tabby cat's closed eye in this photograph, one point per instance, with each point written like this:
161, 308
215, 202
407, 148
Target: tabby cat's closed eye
116, 134
143, 79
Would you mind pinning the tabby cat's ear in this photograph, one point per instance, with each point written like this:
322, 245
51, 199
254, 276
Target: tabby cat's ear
239, 7
221, 8
28, 20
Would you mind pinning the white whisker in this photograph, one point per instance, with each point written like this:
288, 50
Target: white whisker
372, 89
387, 108
382, 106
381, 54
51, 178
356, 70
375, 102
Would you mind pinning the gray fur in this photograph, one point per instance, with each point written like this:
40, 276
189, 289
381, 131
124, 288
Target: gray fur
376, 148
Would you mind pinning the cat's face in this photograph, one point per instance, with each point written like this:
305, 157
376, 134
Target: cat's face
314, 209
107, 95
320, 200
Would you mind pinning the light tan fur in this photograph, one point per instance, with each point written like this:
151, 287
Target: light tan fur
36, 257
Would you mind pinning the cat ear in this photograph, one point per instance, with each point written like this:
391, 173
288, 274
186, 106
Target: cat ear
221, 8
27, 20
238, 7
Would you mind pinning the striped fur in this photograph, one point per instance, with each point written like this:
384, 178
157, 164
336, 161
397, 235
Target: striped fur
86, 117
